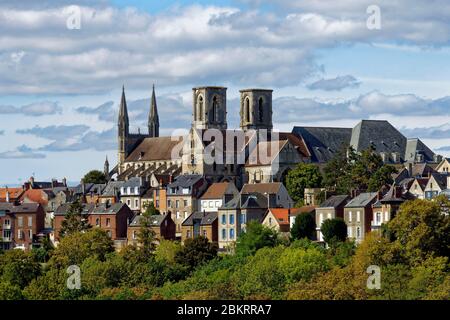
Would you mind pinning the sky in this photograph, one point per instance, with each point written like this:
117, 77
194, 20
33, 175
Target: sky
63, 64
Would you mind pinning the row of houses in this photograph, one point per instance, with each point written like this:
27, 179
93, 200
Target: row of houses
191, 206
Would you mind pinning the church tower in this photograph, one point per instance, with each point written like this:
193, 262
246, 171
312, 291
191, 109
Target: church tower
256, 109
123, 126
209, 108
153, 118
106, 169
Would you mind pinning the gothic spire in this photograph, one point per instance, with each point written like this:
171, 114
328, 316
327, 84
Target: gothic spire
123, 115
153, 118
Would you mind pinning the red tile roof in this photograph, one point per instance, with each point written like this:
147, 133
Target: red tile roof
36, 195
281, 214
14, 193
216, 190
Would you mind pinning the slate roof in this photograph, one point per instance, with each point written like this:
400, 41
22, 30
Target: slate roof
155, 221
362, 200
334, 201
324, 142
133, 182
207, 218
112, 188
379, 134
440, 179
152, 149
253, 201
22, 208
421, 170
92, 208
186, 180
270, 188
414, 146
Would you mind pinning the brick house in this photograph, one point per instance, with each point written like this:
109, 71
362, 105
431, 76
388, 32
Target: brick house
182, 197
331, 208
113, 218
20, 224
162, 225
200, 224
358, 215
386, 208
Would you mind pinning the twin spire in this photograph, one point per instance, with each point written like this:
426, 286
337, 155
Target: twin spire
153, 118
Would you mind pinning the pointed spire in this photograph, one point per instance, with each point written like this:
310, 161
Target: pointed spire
153, 118
123, 114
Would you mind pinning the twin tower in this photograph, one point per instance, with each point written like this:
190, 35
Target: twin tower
210, 108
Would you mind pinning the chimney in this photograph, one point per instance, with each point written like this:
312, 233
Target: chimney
410, 169
54, 183
170, 178
83, 188
379, 195
398, 192
64, 181
7, 195
31, 181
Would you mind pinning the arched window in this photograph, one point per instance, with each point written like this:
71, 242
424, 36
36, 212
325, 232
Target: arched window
214, 109
261, 109
200, 109
247, 109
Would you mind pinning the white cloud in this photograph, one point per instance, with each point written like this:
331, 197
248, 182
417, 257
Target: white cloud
335, 84
22, 152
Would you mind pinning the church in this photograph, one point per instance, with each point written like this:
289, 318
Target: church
254, 153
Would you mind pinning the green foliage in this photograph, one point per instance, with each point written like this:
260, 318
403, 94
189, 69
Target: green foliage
10, 291
167, 251
381, 177
150, 210
304, 227
18, 268
349, 170
196, 251
421, 229
255, 237
94, 176
76, 247
74, 221
334, 230
146, 235
414, 264
303, 176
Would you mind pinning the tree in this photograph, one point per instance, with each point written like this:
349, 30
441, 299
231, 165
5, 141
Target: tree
146, 235
74, 221
304, 227
94, 176
255, 237
303, 176
381, 177
167, 251
334, 230
9, 291
76, 247
196, 251
150, 209
421, 229
18, 268
338, 169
